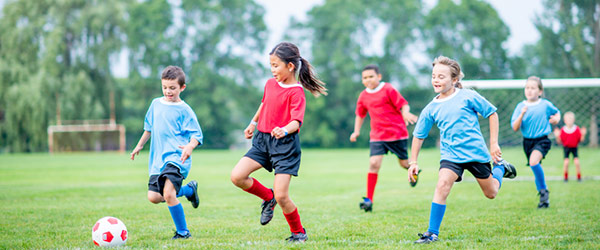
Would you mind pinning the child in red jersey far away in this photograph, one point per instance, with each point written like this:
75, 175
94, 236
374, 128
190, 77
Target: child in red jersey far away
389, 113
570, 136
276, 145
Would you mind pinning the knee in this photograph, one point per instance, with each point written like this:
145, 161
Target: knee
374, 166
282, 198
236, 179
154, 198
169, 196
491, 194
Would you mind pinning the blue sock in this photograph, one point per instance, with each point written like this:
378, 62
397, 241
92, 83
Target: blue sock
540, 181
435, 217
498, 173
185, 190
179, 219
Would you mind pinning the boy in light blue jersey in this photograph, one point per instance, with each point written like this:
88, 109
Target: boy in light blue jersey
534, 116
455, 112
175, 133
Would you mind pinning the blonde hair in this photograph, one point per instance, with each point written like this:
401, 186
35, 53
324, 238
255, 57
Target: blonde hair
455, 71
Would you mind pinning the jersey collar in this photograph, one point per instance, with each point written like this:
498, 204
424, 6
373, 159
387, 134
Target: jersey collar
162, 100
376, 89
532, 103
456, 90
289, 85
570, 130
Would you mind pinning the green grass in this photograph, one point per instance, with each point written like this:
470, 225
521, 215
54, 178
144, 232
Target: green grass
52, 201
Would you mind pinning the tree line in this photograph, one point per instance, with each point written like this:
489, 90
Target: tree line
60, 53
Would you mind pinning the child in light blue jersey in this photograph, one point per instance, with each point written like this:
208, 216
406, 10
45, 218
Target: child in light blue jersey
454, 111
534, 116
175, 133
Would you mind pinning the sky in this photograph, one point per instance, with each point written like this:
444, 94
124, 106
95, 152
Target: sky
517, 14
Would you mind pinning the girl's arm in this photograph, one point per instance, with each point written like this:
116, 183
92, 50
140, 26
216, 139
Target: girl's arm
494, 147
554, 119
517, 124
249, 131
409, 118
414, 154
358, 122
292, 127
140, 145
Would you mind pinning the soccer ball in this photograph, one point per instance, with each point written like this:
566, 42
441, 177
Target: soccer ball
109, 232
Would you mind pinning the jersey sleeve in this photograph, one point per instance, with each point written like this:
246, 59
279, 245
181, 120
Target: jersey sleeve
516, 113
297, 106
396, 98
424, 124
148, 121
361, 109
192, 127
481, 105
551, 110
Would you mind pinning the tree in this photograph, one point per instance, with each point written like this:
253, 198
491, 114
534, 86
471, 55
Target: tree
344, 37
470, 32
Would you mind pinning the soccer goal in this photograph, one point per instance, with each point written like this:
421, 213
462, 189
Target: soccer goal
578, 95
86, 135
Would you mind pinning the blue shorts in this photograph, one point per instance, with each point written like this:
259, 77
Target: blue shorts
382, 147
281, 155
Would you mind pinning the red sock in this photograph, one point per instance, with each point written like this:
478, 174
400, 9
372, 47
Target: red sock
371, 182
578, 176
293, 219
566, 175
260, 190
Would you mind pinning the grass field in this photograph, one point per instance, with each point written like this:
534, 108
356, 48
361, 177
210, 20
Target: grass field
52, 201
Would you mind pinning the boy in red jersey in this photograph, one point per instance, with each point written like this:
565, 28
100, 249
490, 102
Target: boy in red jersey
570, 136
389, 113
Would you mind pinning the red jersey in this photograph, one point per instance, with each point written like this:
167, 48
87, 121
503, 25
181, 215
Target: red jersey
384, 105
282, 104
570, 137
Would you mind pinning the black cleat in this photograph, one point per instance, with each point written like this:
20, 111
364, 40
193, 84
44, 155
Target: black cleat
510, 171
194, 197
298, 237
544, 198
267, 210
181, 236
366, 204
426, 238
413, 184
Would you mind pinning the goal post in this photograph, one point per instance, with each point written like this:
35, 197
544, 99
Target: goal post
578, 95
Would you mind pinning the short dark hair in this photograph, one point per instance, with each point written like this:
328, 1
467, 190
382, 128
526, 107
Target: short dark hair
371, 67
174, 73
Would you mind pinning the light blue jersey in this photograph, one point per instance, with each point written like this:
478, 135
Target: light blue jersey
456, 117
536, 121
170, 125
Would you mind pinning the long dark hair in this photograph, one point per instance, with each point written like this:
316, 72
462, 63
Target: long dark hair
289, 53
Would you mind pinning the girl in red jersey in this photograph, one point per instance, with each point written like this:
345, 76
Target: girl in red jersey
570, 136
276, 145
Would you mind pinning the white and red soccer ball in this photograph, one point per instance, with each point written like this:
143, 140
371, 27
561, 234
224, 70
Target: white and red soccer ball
109, 232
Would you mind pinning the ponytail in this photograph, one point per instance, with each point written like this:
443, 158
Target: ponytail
309, 80
289, 53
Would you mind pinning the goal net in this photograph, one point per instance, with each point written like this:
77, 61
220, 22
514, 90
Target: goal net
580, 96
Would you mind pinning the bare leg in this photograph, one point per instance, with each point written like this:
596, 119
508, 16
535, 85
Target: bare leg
445, 181
489, 186
375, 163
240, 175
170, 193
280, 188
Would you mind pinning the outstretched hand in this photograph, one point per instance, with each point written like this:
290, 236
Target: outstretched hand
136, 151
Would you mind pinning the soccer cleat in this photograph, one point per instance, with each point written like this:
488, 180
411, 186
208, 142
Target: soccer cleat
544, 198
426, 238
366, 204
413, 184
267, 210
181, 236
194, 197
510, 171
298, 237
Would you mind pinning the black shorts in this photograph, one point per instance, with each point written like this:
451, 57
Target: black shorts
397, 147
568, 151
541, 144
283, 154
478, 169
156, 182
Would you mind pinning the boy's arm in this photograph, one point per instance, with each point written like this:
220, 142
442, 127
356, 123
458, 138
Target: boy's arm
141, 143
409, 118
187, 149
555, 118
583, 133
494, 147
358, 122
249, 131
557, 135
413, 169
